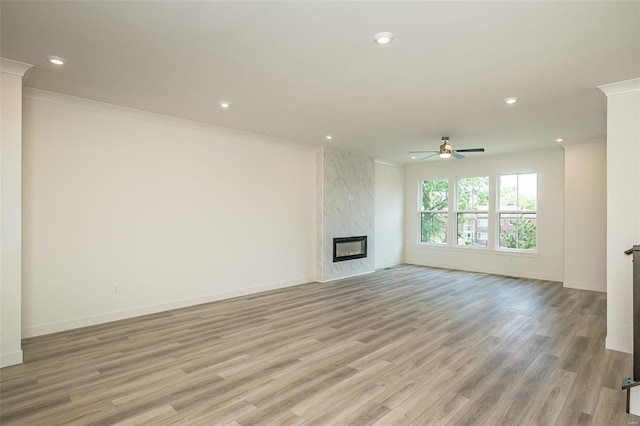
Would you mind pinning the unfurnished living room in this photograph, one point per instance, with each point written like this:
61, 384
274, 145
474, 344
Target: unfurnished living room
320, 212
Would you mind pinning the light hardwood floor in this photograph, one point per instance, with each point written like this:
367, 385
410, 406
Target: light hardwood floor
409, 345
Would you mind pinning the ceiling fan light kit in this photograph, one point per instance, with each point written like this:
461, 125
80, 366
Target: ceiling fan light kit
447, 151
445, 148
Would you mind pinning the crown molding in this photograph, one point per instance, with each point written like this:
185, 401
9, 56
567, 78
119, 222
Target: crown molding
621, 87
584, 141
14, 67
152, 117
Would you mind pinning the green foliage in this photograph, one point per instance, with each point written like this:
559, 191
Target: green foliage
527, 203
525, 234
511, 200
434, 228
473, 193
435, 194
435, 197
518, 192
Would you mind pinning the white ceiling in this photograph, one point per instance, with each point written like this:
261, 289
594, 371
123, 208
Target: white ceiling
302, 70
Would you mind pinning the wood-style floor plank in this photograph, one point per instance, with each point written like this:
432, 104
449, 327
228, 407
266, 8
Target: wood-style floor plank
406, 345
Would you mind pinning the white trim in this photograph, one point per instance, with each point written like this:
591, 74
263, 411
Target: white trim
583, 142
634, 402
136, 114
9, 66
12, 358
507, 273
619, 345
320, 215
384, 163
470, 247
586, 286
483, 250
347, 276
509, 251
70, 324
621, 87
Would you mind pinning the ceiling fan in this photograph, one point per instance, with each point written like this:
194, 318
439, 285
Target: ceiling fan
447, 151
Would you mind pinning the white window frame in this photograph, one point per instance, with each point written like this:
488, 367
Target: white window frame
484, 212
499, 212
421, 210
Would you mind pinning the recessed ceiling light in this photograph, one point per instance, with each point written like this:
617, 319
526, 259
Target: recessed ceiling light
413, 157
56, 60
328, 137
512, 100
559, 140
224, 104
383, 38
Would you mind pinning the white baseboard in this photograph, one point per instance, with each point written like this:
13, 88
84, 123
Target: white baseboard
508, 273
617, 344
347, 276
70, 324
634, 402
586, 286
11, 358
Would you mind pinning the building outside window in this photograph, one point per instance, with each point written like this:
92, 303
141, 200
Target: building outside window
472, 211
518, 205
515, 212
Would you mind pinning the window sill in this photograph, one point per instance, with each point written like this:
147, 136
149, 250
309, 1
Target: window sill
480, 250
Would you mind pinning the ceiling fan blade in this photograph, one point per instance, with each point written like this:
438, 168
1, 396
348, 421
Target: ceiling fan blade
420, 152
456, 155
470, 150
428, 156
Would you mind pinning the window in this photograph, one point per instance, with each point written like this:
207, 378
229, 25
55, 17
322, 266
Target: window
434, 219
472, 213
487, 212
518, 196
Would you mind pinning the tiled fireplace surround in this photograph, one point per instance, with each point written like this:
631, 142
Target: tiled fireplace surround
346, 200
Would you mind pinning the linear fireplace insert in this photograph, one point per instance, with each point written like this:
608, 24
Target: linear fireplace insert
347, 248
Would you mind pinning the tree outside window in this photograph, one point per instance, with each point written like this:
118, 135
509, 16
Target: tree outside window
473, 211
434, 211
518, 195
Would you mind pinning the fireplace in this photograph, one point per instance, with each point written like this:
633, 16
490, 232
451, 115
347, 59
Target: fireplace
347, 248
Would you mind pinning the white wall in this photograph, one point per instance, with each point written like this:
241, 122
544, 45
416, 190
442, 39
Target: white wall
546, 264
11, 74
389, 215
585, 216
348, 186
623, 207
172, 212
